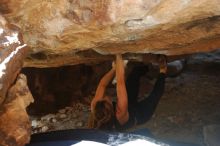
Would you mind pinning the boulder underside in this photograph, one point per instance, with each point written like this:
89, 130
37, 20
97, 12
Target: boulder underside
68, 32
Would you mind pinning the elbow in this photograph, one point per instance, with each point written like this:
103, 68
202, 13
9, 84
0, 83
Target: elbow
122, 117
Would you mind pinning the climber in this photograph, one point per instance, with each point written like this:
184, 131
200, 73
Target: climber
127, 112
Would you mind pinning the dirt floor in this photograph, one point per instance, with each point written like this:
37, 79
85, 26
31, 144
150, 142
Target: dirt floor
190, 102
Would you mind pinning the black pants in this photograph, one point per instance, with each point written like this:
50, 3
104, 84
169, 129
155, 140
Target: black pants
143, 110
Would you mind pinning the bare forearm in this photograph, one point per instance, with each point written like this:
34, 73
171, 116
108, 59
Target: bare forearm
121, 87
107, 77
122, 102
103, 83
102, 86
119, 68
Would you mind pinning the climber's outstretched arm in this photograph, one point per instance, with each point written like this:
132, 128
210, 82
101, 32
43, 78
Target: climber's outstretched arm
122, 114
99, 95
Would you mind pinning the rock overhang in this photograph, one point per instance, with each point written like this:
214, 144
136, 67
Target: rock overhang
82, 31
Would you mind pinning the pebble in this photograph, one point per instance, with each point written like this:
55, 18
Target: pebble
85, 109
175, 67
40, 124
34, 123
44, 129
47, 117
35, 131
69, 112
62, 116
79, 124
54, 120
74, 115
62, 111
68, 108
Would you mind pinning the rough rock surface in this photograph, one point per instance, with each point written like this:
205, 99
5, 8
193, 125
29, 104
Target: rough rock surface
12, 54
63, 32
15, 127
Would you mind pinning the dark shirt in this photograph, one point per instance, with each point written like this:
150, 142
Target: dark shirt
128, 124
144, 110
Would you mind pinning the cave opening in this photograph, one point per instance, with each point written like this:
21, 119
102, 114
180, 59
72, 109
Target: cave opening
65, 91
58, 87
190, 102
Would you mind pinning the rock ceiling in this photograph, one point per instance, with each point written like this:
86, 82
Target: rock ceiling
64, 32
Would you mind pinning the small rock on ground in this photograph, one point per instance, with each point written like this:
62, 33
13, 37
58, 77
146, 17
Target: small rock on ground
212, 135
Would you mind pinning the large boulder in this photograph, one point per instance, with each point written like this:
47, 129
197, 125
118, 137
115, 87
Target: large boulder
64, 32
15, 127
12, 54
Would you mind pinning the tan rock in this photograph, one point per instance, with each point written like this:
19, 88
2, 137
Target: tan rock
64, 32
62, 116
44, 129
48, 117
12, 53
15, 127
54, 120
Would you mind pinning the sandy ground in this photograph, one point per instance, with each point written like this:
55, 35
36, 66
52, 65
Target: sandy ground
190, 102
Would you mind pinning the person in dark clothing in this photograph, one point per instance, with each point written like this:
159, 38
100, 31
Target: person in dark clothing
127, 111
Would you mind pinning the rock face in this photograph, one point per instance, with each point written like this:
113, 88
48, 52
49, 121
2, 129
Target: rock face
12, 54
15, 127
63, 32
